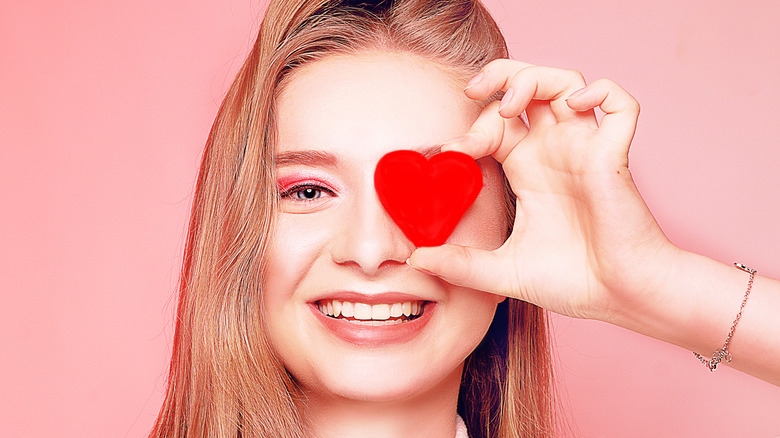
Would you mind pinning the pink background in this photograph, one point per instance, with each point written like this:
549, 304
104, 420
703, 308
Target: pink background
104, 109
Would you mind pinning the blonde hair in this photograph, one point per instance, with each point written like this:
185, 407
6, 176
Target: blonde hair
224, 379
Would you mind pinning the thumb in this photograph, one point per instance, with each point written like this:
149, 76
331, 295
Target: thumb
462, 266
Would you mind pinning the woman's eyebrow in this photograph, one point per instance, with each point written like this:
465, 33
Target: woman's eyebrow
306, 158
321, 158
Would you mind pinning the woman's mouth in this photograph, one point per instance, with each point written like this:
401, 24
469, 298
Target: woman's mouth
388, 319
372, 314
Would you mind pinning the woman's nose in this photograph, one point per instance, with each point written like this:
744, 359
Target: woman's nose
369, 239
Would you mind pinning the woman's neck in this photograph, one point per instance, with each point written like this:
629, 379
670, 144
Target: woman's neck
431, 413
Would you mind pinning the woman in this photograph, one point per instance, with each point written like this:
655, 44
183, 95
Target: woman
286, 226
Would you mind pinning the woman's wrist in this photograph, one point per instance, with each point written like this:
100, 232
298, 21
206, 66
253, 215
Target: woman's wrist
695, 305
687, 302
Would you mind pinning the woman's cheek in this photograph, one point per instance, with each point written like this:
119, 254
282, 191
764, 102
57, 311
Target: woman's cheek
299, 239
297, 247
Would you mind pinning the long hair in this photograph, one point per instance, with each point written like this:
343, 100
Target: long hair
224, 380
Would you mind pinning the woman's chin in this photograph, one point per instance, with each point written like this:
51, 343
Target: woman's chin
379, 383
376, 392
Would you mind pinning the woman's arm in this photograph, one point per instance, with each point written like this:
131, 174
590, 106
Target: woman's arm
584, 243
700, 302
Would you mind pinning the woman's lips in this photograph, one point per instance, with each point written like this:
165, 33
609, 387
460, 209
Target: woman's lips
379, 323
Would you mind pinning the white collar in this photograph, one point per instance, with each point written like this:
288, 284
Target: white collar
460, 428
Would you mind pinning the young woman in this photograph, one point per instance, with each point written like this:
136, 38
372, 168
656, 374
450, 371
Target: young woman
305, 311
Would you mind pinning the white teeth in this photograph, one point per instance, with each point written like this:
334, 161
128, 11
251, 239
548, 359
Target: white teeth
347, 309
380, 312
366, 312
362, 311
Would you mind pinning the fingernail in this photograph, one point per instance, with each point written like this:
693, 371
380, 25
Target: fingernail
507, 97
475, 80
576, 93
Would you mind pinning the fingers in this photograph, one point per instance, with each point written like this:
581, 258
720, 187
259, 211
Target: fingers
462, 266
540, 113
621, 110
548, 96
493, 77
490, 134
522, 83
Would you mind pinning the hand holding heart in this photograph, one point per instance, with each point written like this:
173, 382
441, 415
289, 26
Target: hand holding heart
584, 243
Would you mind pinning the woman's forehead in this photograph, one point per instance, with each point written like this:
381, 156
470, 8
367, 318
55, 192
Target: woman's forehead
374, 102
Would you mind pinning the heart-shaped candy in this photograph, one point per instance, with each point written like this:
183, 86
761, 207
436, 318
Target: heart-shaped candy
427, 198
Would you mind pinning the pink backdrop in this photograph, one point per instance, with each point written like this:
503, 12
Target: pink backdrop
105, 106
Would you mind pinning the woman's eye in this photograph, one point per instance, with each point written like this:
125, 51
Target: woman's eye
306, 193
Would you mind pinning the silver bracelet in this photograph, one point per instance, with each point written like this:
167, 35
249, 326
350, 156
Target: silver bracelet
723, 353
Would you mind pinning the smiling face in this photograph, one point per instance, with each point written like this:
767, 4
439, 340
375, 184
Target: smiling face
343, 311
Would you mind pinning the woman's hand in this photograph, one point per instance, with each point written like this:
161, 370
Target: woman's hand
584, 243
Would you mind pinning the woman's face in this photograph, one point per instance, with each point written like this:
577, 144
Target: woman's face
336, 247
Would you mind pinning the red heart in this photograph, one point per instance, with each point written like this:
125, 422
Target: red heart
427, 198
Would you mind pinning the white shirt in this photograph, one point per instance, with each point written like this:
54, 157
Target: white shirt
460, 428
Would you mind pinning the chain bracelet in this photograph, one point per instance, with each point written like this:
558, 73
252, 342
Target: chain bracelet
722, 354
